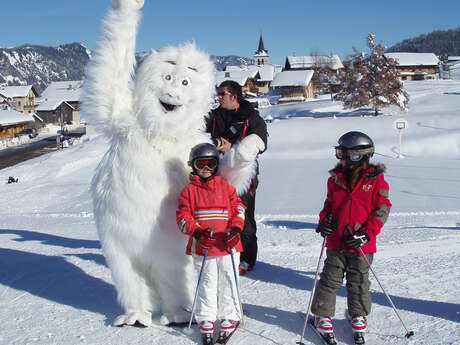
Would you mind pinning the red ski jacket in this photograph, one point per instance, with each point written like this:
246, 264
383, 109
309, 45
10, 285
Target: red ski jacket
366, 207
212, 203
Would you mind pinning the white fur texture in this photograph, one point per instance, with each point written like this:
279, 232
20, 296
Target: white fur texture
249, 148
238, 166
136, 185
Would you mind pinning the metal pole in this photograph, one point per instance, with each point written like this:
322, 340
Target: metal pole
235, 275
312, 293
400, 144
197, 287
408, 333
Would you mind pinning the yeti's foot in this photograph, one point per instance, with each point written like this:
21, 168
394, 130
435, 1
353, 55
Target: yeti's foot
128, 4
143, 318
179, 319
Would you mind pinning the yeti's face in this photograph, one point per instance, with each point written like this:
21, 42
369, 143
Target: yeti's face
174, 84
174, 88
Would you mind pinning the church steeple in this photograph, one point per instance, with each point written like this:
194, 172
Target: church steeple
261, 45
261, 54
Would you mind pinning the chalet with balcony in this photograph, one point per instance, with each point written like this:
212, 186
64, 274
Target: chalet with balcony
21, 98
416, 66
13, 121
294, 86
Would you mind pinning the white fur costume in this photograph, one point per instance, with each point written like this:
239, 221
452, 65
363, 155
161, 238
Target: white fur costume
136, 185
152, 121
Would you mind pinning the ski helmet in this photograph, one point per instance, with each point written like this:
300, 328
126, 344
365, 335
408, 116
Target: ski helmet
356, 146
206, 154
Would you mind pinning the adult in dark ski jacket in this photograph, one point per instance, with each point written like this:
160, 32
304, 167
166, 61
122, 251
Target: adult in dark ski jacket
234, 120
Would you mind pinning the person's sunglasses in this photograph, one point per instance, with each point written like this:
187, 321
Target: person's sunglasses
223, 93
352, 155
202, 163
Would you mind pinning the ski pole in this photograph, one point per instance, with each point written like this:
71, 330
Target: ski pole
300, 342
197, 287
236, 284
408, 333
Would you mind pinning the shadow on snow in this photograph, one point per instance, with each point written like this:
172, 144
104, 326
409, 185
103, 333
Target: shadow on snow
52, 240
55, 279
304, 280
290, 224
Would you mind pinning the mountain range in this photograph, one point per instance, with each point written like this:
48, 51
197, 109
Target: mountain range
40, 65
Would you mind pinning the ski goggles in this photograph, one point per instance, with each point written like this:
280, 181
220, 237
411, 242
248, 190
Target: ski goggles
205, 163
353, 156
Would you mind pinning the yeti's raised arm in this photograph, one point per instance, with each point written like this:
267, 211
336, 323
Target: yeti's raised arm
108, 96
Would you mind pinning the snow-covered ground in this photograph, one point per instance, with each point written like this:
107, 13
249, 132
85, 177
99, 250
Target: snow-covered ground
56, 289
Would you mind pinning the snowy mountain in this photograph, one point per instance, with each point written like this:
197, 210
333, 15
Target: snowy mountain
40, 65
55, 287
231, 60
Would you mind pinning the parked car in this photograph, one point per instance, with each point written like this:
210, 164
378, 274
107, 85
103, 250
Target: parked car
259, 103
31, 132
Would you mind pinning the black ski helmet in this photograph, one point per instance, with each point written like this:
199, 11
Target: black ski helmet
204, 150
356, 143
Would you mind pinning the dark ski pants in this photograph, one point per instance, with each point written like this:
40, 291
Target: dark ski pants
336, 266
248, 236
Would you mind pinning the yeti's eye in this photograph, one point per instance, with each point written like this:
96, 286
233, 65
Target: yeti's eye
185, 82
168, 77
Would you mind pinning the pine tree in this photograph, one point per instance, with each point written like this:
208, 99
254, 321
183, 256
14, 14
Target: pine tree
373, 80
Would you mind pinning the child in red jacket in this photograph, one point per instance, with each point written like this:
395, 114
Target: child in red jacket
355, 210
211, 213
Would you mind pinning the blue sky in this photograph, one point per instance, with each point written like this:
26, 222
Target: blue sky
233, 27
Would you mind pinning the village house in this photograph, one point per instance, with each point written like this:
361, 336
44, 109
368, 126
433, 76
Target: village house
416, 66
266, 75
21, 98
58, 92
294, 86
331, 62
57, 112
326, 67
246, 77
13, 122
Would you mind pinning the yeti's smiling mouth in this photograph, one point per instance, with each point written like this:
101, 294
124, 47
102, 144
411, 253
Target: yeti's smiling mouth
167, 107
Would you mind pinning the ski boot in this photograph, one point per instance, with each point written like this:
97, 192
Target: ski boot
358, 326
227, 328
323, 327
207, 332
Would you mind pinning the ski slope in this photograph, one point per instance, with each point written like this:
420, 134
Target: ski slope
56, 289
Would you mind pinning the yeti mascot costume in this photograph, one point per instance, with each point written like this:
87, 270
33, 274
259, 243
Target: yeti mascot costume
152, 121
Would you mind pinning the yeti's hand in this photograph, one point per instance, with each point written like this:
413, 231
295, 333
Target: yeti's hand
127, 4
249, 148
130, 318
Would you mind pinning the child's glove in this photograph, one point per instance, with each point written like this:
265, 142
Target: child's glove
327, 226
324, 228
357, 239
204, 238
233, 237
